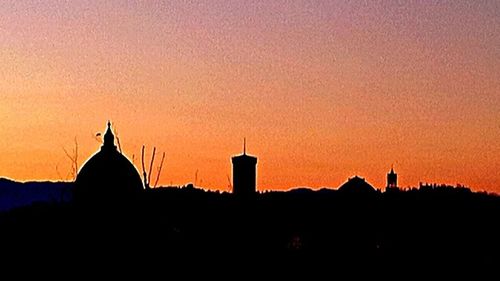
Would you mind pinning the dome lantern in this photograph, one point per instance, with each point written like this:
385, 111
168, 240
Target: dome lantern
109, 138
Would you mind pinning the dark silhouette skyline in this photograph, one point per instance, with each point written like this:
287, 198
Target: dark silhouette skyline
432, 228
329, 93
109, 176
110, 213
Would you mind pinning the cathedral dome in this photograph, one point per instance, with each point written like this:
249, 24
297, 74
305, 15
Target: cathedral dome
108, 175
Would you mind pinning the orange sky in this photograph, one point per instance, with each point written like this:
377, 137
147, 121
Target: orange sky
322, 91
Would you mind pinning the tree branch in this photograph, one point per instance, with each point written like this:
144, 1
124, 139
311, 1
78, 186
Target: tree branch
151, 165
159, 170
146, 185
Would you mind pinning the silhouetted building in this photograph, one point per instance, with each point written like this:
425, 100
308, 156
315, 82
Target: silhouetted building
108, 175
244, 174
392, 179
356, 185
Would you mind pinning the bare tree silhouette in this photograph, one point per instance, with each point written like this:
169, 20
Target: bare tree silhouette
147, 176
59, 176
151, 165
74, 160
117, 138
229, 185
196, 177
144, 175
159, 170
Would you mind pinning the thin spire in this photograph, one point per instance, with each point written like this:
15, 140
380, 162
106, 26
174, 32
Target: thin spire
244, 146
109, 138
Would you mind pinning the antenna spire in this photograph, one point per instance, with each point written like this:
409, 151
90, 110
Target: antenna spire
244, 146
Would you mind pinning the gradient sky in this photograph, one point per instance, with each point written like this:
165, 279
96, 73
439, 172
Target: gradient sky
322, 90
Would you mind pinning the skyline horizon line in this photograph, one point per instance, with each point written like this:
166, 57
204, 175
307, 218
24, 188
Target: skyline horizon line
244, 152
286, 189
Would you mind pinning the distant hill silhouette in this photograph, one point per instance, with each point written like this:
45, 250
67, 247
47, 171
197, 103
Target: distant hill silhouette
18, 194
432, 228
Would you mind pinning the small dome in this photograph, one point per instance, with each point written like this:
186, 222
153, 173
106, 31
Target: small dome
107, 175
356, 185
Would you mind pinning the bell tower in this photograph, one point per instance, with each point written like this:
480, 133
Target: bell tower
244, 174
392, 179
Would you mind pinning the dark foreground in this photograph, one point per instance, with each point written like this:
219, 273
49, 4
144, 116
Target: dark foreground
416, 231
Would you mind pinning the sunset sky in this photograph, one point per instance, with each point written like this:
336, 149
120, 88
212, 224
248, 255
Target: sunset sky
322, 90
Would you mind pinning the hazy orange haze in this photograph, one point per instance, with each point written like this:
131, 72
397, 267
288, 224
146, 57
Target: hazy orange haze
322, 90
